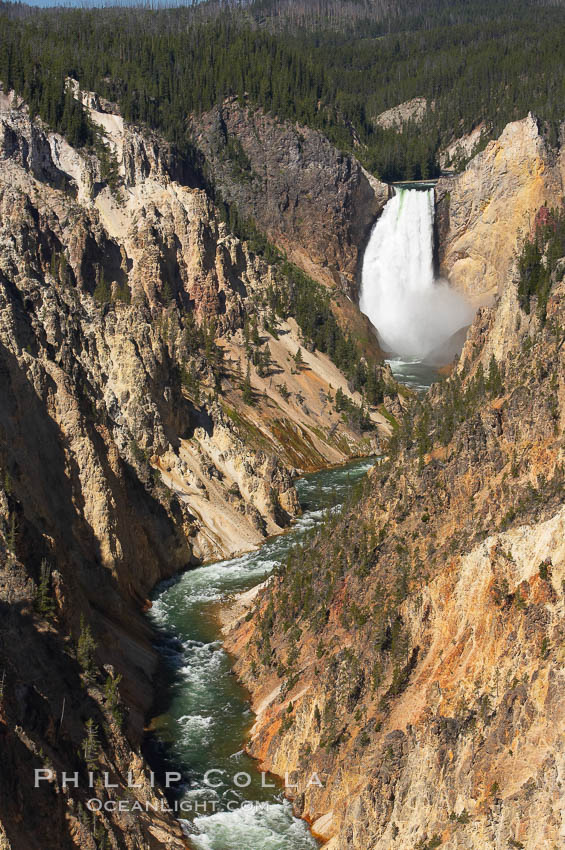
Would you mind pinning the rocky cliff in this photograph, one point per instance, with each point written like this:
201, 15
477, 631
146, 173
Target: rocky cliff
154, 412
484, 213
410, 111
314, 202
416, 665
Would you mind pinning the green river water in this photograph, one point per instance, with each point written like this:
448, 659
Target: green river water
203, 712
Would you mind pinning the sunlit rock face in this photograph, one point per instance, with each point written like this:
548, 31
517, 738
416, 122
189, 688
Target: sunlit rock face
485, 212
419, 666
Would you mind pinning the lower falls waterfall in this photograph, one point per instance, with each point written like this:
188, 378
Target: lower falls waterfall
414, 315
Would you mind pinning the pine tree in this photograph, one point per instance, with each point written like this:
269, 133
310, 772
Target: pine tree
63, 269
102, 291
494, 380
246, 388
255, 338
54, 266
246, 336
90, 745
86, 648
371, 389
112, 696
167, 293
12, 535
122, 293
43, 600
191, 384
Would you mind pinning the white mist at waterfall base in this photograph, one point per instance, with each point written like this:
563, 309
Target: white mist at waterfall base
414, 314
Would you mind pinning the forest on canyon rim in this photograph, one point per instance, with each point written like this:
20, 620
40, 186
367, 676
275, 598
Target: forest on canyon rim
186, 195
335, 69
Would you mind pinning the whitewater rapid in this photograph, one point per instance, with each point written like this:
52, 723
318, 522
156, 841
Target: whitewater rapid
414, 314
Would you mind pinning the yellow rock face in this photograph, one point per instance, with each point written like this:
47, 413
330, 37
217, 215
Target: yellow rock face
491, 206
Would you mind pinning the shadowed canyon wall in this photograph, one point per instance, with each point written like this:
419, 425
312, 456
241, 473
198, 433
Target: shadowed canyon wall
315, 203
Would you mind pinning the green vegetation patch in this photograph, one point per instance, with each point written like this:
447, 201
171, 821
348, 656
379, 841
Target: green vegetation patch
538, 260
332, 69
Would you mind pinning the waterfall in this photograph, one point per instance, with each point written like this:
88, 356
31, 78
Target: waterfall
414, 314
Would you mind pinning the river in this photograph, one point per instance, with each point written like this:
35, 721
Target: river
413, 373
203, 713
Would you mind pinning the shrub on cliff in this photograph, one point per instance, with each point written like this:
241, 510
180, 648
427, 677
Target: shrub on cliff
537, 262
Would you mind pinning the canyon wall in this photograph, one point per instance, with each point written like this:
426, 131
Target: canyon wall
410, 680
484, 213
155, 410
314, 202
134, 442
